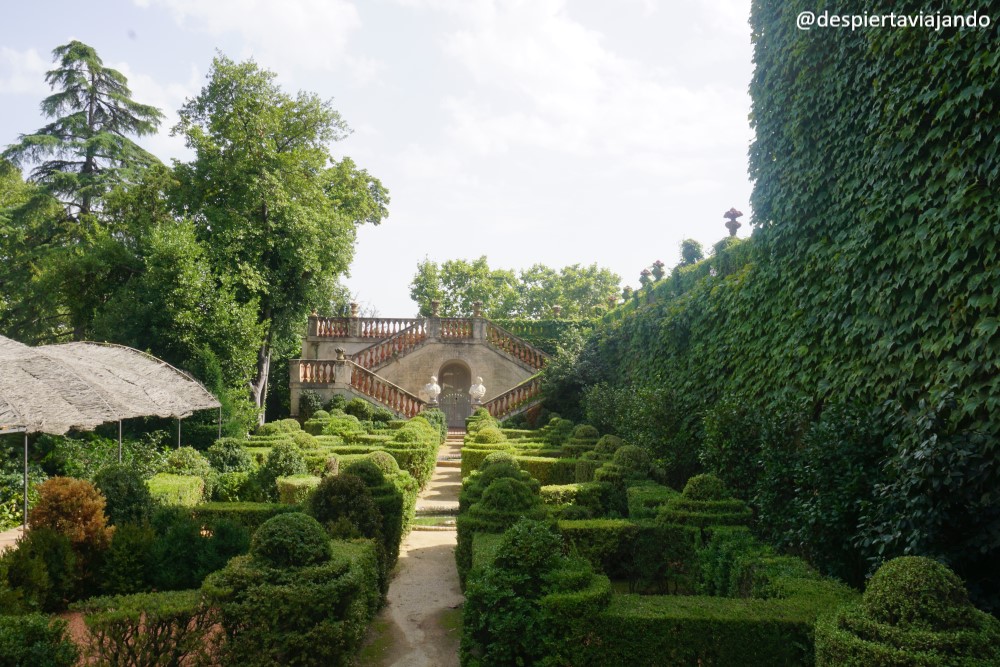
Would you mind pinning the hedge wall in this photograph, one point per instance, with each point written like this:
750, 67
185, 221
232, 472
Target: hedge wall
870, 277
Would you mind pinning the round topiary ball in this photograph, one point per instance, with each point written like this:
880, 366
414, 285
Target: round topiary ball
490, 436
304, 440
632, 458
368, 471
291, 540
508, 495
609, 444
499, 457
917, 593
705, 487
585, 432
384, 461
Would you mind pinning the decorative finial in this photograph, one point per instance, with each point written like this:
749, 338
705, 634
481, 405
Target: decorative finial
732, 224
477, 308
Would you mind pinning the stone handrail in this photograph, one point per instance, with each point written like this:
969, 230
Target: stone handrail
382, 327
456, 327
318, 371
399, 343
332, 327
507, 342
359, 327
395, 398
509, 401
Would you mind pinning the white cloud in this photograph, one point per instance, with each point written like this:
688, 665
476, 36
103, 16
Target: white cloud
22, 72
305, 35
168, 97
543, 80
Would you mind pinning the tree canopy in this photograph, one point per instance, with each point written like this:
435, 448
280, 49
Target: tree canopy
457, 284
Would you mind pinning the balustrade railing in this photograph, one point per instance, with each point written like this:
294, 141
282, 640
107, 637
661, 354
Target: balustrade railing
456, 327
507, 342
333, 327
361, 327
316, 371
386, 393
379, 327
399, 343
509, 401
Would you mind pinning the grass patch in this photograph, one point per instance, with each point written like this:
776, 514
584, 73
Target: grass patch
442, 520
377, 644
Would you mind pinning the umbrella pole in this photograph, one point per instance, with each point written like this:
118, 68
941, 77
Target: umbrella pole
178, 433
25, 482
119, 441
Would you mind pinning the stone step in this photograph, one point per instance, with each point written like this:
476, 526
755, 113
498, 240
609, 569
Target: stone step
438, 509
434, 528
449, 463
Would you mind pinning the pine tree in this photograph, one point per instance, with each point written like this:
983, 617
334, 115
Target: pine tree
85, 150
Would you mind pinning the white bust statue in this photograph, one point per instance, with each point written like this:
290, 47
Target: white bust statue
431, 391
477, 391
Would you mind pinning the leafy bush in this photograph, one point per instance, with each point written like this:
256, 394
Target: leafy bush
233, 487
337, 403
189, 461
183, 554
633, 459
74, 508
310, 402
344, 506
128, 562
291, 540
127, 498
284, 460
42, 570
172, 628
733, 432
229, 455
438, 420
37, 641
497, 457
280, 427
585, 432
367, 471
360, 408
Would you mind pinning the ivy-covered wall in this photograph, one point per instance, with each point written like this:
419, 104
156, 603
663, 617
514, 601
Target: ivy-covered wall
872, 278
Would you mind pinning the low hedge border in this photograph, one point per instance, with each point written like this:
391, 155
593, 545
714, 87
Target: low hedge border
248, 515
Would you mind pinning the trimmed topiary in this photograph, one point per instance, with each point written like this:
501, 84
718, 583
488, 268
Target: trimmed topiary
189, 461
607, 445
229, 455
633, 459
360, 408
705, 487
127, 497
918, 593
508, 495
499, 457
344, 506
284, 460
384, 461
304, 440
489, 436
293, 539
367, 470
915, 611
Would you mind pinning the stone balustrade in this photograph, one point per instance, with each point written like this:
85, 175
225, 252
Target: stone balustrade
386, 393
452, 328
396, 345
510, 401
507, 342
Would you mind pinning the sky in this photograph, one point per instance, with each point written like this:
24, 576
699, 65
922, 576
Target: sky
530, 131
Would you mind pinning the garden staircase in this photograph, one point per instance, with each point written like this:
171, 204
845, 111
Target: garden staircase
397, 338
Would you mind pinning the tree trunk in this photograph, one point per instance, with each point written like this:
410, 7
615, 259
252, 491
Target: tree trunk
258, 386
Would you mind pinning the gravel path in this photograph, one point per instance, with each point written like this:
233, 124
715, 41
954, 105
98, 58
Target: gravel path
418, 626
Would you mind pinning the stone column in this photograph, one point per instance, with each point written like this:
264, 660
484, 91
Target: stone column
354, 326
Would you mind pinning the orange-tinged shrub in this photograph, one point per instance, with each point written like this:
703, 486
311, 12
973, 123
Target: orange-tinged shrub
74, 508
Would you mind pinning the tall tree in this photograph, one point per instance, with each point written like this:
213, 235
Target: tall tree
275, 211
531, 294
86, 148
